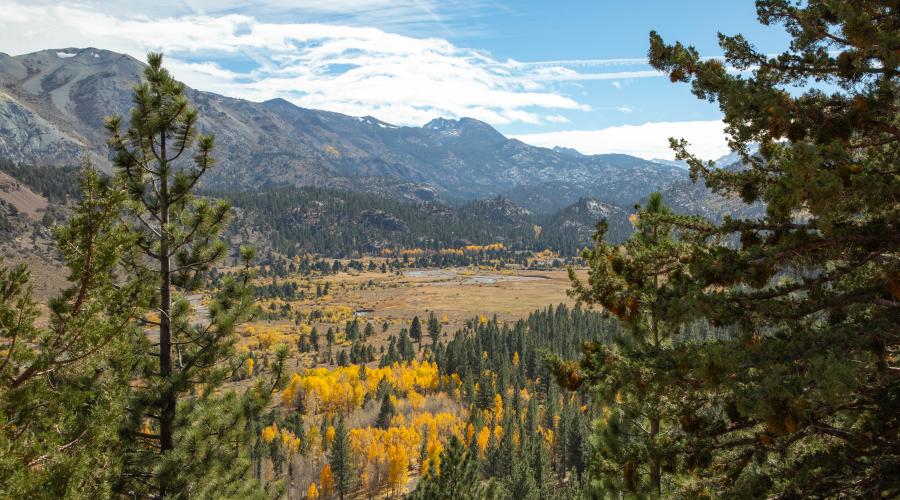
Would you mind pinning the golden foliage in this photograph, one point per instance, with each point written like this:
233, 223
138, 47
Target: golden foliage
484, 435
341, 390
326, 479
312, 493
498, 407
269, 433
289, 440
386, 454
329, 436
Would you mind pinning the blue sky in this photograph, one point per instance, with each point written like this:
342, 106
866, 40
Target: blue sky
550, 73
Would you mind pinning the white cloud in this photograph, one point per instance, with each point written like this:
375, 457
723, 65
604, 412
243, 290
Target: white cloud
650, 140
624, 109
587, 63
348, 69
556, 119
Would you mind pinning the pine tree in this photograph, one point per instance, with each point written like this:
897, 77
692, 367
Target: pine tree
434, 328
340, 457
415, 331
64, 386
520, 482
458, 478
628, 377
177, 238
802, 400
386, 412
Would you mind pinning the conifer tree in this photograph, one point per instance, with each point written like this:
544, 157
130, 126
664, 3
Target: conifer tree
180, 425
64, 386
628, 376
386, 412
434, 328
802, 400
340, 457
457, 479
415, 331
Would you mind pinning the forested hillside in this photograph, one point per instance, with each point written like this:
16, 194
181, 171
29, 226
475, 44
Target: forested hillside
344, 223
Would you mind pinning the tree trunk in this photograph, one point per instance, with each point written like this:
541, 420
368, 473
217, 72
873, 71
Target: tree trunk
167, 402
655, 465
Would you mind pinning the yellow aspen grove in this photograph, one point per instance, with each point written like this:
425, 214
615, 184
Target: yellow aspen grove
515, 360
498, 407
398, 467
313, 440
249, 367
290, 441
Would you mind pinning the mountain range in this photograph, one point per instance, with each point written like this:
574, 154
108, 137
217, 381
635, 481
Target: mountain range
317, 181
53, 102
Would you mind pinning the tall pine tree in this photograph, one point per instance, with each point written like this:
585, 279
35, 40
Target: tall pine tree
340, 458
457, 479
631, 379
804, 400
183, 429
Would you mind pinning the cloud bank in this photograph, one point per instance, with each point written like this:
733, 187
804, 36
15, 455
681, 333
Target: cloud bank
648, 141
341, 63
348, 69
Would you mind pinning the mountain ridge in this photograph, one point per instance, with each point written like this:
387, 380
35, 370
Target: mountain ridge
52, 104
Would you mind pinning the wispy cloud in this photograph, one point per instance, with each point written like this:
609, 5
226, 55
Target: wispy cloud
585, 63
650, 140
402, 16
349, 69
339, 63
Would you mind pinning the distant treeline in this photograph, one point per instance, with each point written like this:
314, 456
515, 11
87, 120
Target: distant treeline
299, 220
56, 183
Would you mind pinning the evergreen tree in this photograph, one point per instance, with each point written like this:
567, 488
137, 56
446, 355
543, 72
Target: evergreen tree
801, 400
314, 339
628, 376
386, 412
457, 479
434, 328
176, 239
64, 386
415, 331
340, 458
520, 482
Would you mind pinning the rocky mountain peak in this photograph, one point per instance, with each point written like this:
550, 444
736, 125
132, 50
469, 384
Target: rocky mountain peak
52, 105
